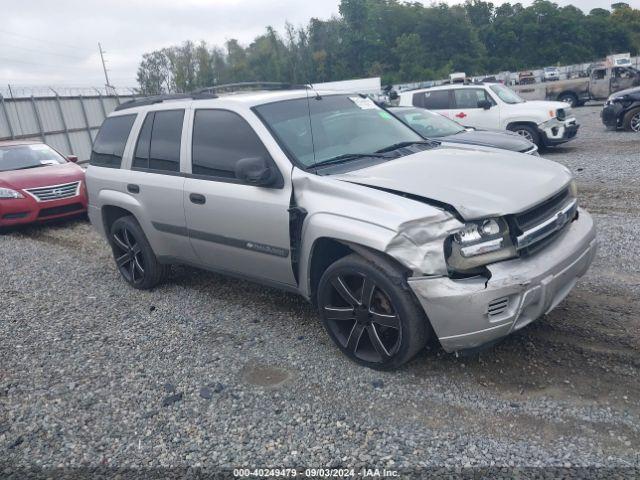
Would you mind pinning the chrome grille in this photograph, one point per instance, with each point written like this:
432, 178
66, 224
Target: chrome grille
538, 226
54, 192
541, 212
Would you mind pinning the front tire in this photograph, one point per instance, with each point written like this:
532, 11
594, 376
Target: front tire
134, 257
370, 313
528, 132
632, 120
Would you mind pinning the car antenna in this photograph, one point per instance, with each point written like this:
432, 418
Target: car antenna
317, 97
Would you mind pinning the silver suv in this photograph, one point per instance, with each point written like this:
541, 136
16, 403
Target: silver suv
395, 238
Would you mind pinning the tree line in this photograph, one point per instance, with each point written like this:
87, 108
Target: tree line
401, 42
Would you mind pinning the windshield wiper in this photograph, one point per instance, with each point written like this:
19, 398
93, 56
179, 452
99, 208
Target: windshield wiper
396, 146
30, 166
347, 157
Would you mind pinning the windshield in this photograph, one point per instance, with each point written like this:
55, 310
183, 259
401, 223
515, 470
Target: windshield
426, 123
318, 129
506, 94
17, 157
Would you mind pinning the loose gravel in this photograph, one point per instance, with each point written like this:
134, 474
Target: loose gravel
211, 372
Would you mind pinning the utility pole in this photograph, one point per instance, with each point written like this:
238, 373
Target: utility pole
104, 67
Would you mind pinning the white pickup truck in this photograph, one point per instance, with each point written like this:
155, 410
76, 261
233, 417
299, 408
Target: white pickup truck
492, 106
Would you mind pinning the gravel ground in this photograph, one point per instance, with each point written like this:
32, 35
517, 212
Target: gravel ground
207, 371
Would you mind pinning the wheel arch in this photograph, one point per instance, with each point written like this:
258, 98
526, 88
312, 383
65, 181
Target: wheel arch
327, 250
516, 123
114, 204
568, 92
110, 213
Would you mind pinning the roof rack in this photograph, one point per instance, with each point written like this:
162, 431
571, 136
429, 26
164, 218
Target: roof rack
142, 101
234, 87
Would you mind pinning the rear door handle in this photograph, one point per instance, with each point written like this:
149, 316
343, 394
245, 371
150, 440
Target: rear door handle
197, 198
131, 188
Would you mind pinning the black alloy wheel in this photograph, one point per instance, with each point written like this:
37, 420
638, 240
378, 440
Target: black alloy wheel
134, 257
373, 321
128, 255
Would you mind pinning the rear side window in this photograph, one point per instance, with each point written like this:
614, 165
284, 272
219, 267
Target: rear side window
469, 97
435, 100
220, 139
158, 146
111, 140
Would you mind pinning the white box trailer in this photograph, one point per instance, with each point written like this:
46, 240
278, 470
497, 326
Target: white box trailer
618, 60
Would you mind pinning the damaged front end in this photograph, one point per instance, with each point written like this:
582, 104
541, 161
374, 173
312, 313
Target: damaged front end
467, 313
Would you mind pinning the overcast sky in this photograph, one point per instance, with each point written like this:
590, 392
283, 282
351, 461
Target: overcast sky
55, 42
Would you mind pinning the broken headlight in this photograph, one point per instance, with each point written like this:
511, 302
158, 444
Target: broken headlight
479, 243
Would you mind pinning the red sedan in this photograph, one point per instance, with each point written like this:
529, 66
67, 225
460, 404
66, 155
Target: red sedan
37, 183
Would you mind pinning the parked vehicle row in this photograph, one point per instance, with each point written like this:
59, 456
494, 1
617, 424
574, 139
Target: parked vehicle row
395, 238
495, 106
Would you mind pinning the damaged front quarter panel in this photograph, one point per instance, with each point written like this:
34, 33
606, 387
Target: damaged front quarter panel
410, 230
419, 244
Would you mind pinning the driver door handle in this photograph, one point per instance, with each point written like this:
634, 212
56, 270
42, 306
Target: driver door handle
197, 198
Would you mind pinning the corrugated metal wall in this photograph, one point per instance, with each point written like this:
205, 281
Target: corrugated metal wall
68, 124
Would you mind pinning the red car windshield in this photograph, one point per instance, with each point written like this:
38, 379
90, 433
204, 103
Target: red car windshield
18, 157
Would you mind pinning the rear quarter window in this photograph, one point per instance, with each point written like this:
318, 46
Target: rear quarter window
109, 145
434, 100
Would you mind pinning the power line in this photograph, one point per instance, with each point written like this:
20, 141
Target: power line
43, 51
4, 59
46, 42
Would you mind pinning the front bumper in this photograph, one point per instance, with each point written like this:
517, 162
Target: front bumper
612, 115
468, 313
555, 132
20, 211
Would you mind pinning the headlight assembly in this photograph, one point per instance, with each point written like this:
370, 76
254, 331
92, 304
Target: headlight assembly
573, 189
6, 193
479, 243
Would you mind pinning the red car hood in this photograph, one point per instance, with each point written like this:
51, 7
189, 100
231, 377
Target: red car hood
41, 176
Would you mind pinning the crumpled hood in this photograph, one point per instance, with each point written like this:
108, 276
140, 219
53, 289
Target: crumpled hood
487, 138
476, 183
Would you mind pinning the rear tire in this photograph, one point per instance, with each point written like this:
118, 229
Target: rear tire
528, 132
569, 98
632, 120
370, 313
133, 255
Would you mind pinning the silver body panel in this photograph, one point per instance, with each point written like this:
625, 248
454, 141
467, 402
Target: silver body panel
244, 230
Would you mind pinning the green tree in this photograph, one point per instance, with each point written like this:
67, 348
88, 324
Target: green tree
401, 42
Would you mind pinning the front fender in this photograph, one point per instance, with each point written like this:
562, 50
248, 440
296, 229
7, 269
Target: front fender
341, 228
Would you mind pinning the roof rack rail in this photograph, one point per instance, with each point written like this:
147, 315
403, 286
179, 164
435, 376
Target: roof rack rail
234, 87
150, 100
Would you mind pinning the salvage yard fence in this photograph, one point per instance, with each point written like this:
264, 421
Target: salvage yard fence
68, 123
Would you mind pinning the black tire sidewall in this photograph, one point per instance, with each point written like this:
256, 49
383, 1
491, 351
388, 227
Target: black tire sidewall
574, 100
152, 269
414, 324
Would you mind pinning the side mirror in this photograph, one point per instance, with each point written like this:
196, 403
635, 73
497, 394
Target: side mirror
485, 104
72, 158
256, 171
